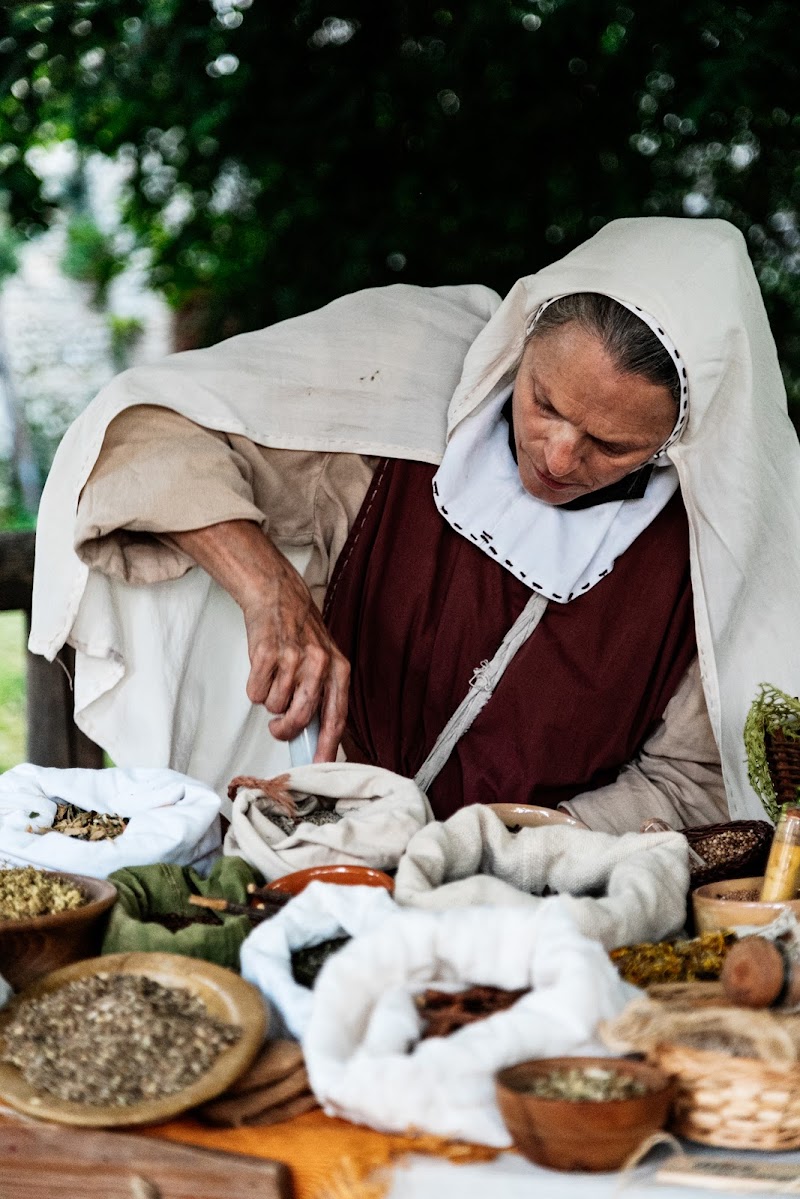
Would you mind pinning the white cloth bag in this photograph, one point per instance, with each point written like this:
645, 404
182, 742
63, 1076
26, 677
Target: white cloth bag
319, 913
363, 1054
172, 818
381, 812
618, 889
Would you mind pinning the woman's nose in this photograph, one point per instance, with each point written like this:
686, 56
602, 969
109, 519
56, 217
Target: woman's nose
561, 455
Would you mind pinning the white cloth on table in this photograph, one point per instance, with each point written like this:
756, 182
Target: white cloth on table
380, 813
618, 889
172, 818
364, 1057
319, 913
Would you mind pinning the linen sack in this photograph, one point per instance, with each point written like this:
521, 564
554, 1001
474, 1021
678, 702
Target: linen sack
172, 818
362, 1046
620, 890
145, 892
320, 912
380, 811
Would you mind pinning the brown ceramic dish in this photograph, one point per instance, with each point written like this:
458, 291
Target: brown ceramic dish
345, 876
714, 911
33, 947
225, 995
565, 1134
522, 815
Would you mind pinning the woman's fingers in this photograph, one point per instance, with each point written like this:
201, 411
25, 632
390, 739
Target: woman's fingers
333, 716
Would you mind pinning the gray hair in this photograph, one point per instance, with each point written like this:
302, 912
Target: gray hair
630, 343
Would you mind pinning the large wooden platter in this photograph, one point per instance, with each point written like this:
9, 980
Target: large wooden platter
224, 994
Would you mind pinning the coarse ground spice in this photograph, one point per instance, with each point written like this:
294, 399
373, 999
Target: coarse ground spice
114, 1038
26, 892
288, 824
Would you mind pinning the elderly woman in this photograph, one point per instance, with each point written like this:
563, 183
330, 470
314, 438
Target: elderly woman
487, 542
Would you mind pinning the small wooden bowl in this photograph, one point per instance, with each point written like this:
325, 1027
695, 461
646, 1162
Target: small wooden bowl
565, 1134
225, 995
713, 911
32, 948
344, 876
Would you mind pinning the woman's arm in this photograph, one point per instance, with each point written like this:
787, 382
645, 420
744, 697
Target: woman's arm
677, 777
296, 669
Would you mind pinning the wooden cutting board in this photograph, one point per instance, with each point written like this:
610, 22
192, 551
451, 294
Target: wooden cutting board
45, 1161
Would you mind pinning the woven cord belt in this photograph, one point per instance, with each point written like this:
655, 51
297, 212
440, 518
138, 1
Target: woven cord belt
481, 687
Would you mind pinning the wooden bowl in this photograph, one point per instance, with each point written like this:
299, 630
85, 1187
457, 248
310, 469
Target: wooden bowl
32, 948
713, 911
565, 1134
344, 876
522, 815
225, 995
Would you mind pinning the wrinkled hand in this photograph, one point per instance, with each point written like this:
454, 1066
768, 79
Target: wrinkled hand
296, 669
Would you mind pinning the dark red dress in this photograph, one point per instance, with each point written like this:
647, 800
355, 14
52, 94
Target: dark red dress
416, 608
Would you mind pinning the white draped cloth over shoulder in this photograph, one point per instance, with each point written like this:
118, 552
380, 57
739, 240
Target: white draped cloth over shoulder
393, 372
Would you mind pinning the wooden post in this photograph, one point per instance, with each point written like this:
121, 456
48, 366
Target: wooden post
53, 738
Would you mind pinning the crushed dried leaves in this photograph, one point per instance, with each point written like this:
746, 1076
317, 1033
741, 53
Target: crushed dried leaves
114, 1038
646, 964
593, 1083
26, 892
307, 962
83, 824
288, 824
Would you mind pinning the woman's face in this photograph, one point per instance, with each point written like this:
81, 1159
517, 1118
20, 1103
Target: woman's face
579, 423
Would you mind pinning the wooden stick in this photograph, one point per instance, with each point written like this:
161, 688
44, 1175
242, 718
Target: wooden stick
256, 915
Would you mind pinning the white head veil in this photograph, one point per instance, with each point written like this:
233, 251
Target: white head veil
738, 459
378, 373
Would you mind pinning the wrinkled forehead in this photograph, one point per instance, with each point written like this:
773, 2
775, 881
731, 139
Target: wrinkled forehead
668, 344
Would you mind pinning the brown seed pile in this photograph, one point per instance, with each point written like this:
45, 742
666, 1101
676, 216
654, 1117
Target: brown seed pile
83, 824
718, 848
288, 824
114, 1038
26, 892
594, 1083
751, 895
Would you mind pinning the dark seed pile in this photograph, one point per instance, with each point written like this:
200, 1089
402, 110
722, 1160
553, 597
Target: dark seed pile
114, 1038
173, 922
288, 824
307, 963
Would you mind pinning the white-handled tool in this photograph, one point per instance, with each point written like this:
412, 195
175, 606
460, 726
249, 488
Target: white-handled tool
303, 747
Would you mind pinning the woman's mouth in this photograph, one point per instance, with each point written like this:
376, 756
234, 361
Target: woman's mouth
554, 484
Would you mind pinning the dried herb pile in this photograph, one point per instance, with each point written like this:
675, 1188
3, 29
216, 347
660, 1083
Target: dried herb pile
83, 824
649, 963
26, 892
114, 1038
594, 1083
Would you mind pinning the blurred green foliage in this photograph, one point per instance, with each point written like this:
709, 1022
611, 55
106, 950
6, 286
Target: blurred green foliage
90, 256
281, 154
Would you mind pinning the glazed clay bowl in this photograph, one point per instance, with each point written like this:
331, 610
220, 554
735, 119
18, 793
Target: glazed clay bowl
521, 815
344, 876
33, 947
714, 910
587, 1135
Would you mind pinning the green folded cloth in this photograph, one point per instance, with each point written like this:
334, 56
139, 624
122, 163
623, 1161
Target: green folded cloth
146, 892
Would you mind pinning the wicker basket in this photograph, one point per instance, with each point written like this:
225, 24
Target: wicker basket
746, 864
731, 1102
783, 758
